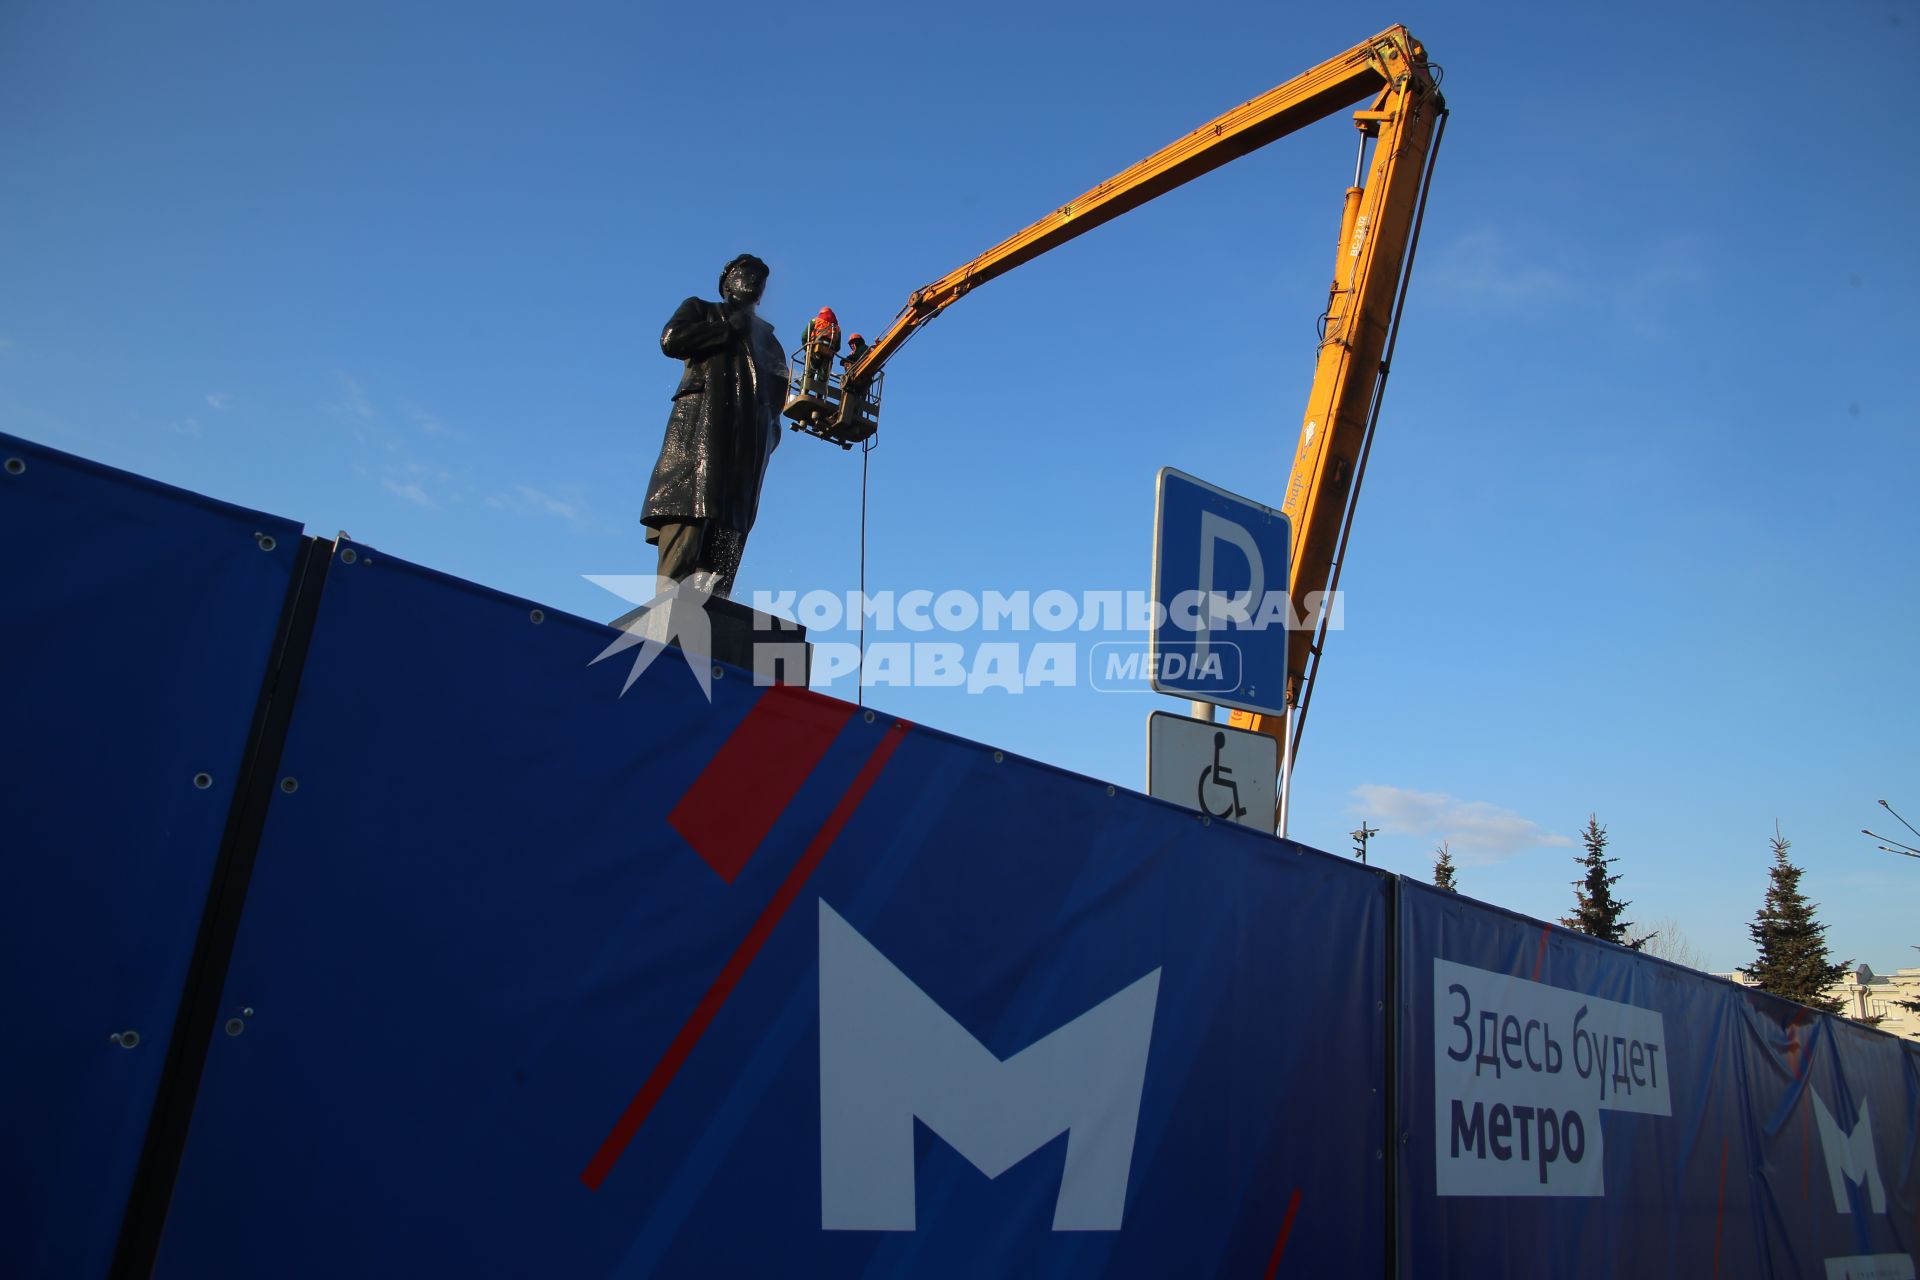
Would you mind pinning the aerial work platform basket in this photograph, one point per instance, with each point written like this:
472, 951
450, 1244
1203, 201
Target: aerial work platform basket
820, 404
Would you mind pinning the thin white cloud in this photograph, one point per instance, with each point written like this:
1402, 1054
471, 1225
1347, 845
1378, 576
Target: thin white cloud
525, 500
219, 399
534, 500
428, 423
1663, 277
1476, 831
1489, 266
411, 492
549, 504
353, 402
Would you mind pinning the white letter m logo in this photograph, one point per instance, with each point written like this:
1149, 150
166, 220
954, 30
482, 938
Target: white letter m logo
888, 1053
1850, 1157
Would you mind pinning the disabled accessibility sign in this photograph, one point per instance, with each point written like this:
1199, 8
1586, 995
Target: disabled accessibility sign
1221, 771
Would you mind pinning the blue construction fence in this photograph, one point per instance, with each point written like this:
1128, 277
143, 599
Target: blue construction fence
360, 922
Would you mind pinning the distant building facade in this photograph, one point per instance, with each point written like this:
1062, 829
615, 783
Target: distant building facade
1865, 995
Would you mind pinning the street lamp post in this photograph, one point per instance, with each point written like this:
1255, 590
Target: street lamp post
1366, 833
1888, 843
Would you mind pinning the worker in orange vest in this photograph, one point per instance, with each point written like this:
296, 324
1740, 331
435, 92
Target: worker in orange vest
822, 343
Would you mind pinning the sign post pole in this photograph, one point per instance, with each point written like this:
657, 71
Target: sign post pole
1286, 772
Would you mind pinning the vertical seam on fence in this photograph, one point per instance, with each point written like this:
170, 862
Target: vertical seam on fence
1390, 1090
152, 1191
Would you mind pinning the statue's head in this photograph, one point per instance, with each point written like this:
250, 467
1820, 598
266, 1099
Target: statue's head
744, 279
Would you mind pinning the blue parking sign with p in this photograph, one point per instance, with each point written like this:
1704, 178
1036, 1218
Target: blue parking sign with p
1220, 574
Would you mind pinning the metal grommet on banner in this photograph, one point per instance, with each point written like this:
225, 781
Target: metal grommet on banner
203, 780
266, 541
1205, 821
125, 1039
719, 672
289, 785
867, 716
16, 465
537, 617
235, 1026
1109, 788
998, 757
348, 556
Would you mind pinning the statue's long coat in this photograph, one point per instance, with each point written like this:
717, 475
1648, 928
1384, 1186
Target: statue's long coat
725, 422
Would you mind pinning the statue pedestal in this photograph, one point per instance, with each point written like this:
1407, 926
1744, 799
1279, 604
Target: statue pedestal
774, 650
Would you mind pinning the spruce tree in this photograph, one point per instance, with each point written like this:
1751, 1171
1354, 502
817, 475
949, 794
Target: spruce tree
1443, 868
1595, 910
1792, 945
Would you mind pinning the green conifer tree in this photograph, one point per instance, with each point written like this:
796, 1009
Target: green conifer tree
1443, 868
1595, 910
1792, 946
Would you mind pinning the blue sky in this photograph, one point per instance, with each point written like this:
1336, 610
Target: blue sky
1636, 537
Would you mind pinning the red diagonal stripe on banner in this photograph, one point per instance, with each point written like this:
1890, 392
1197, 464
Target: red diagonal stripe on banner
1806, 1147
755, 775
1540, 957
1286, 1229
736, 967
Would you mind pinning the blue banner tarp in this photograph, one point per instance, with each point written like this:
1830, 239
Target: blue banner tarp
1834, 1112
135, 632
548, 980
1571, 1108
539, 973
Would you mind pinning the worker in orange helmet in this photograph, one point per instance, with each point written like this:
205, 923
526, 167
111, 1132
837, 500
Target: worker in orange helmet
823, 344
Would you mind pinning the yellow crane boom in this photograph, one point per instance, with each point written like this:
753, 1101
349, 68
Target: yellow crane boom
1379, 224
